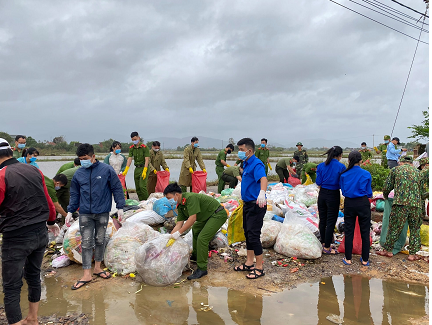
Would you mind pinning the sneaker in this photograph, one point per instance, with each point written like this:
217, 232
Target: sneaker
197, 274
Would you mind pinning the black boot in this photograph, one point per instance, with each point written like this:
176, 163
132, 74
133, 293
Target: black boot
197, 274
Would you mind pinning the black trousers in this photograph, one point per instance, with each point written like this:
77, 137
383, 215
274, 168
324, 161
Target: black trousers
353, 208
22, 256
282, 173
253, 217
328, 209
230, 179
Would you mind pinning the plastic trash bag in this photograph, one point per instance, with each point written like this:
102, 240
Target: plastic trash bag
379, 206
188, 238
357, 241
61, 261
163, 206
424, 235
237, 190
147, 217
227, 192
132, 202
122, 179
295, 239
235, 226
308, 180
199, 181
219, 241
269, 232
159, 265
162, 180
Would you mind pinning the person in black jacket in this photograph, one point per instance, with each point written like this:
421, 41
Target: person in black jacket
92, 188
25, 210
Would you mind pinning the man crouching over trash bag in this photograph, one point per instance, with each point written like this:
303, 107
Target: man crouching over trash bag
25, 210
201, 212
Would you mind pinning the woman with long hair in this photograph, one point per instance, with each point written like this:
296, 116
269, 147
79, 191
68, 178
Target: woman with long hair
356, 186
29, 156
328, 174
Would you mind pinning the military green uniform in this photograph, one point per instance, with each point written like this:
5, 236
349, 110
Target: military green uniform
310, 169
366, 154
230, 175
424, 175
65, 167
51, 189
63, 194
303, 159
191, 154
17, 153
139, 154
263, 154
383, 149
156, 161
210, 216
220, 169
281, 169
406, 182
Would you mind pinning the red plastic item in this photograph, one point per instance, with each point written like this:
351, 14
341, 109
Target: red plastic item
357, 242
199, 182
294, 181
162, 181
122, 179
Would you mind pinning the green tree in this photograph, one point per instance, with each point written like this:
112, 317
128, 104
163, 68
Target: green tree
420, 132
7, 137
149, 144
31, 142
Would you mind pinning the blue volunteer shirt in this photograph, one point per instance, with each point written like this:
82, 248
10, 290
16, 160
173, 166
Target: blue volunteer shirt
253, 171
356, 182
392, 152
328, 175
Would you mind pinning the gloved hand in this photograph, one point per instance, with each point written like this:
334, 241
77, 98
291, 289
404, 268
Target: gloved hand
270, 166
170, 242
68, 219
120, 215
204, 171
126, 171
190, 170
55, 229
228, 165
155, 171
175, 235
261, 201
167, 170
144, 173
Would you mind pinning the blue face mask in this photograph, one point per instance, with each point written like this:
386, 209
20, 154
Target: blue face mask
196, 145
118, 151
135, 141
21, 145
57, 188
172, 202
33, 159
386, 141
241, 155
86, 163
262, 145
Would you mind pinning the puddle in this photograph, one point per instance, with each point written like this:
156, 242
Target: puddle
356, 299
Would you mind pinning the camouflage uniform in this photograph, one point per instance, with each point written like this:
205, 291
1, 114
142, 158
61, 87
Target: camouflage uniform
424, 175
406, 182
303, 159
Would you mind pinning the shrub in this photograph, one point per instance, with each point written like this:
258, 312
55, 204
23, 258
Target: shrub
379, 174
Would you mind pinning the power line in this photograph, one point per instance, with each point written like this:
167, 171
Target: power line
410, 8
391, 11
406, 82
378, 22
394, 10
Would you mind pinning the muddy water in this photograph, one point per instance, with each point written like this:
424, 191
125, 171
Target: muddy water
355, 299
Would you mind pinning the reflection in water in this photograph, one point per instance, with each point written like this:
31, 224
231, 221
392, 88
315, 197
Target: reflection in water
356, 301
204, 314
328, 303
245, 309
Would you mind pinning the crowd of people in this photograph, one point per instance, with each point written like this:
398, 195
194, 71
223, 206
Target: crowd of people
30, 202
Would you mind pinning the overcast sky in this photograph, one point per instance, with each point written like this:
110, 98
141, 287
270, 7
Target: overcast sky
285, 70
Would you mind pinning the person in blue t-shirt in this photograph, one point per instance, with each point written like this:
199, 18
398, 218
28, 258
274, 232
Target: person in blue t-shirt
356, 186
29, 156
253, 188
328, 174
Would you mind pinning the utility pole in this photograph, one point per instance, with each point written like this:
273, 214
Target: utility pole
373, 140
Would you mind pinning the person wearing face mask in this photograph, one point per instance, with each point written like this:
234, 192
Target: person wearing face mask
204, 214
191, 154
221, 163
115, 158
365, 152
253, 188
284, 169
29, 156
91, 190
156, 161
263, 154
63, 193
393, 154
141, 156
54, 185
382, 149
20, 143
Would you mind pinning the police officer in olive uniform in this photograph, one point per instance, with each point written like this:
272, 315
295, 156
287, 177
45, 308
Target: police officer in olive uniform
220, 163
303, 157
63, 193
382, 149
156, 161
204, 214
20, 143
309, 169
191, 154
232, 175
263, 154
141, 156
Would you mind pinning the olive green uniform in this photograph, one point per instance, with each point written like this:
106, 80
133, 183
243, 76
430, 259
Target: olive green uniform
366, 154
17, 153
156, 161
310, 169
281, 169
220, 169
63, 194
406, 182
51, 189
263, 154
230, 175
383, 148
139, 154
210, 216
190, 155
65, 166
303, 159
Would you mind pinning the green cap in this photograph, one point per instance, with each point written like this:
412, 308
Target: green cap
406, 159
386, 137
299, 144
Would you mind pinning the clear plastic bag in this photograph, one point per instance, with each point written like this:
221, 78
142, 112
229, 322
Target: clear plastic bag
159, 265
147, 217
219, 241
61, 261
269, 232
237, 190
188, 238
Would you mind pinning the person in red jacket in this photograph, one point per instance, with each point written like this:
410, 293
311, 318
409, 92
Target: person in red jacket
25, 211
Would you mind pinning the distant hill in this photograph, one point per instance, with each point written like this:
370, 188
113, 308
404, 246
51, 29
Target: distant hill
312, 143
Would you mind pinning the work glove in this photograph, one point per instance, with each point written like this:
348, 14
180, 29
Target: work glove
69, 219
55, 229
167, 170
228, 165
190, 170
175, 235
126, 171
120, 215
144, 173
261, 201
154, 171
204, 171
270, 166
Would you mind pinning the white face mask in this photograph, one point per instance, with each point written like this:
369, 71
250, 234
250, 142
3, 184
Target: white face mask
156, 150
363, 148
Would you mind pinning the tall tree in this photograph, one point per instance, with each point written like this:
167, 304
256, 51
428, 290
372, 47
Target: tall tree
7, 137
420, 132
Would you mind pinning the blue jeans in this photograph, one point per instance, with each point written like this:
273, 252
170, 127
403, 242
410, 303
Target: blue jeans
93, 229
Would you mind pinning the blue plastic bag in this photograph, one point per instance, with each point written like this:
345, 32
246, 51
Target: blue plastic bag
163, 206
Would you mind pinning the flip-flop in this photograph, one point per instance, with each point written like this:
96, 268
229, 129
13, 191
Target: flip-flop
255, 274
106, 277
345, 262
361, 262
329, 251
384, 253
74, 287
247, 268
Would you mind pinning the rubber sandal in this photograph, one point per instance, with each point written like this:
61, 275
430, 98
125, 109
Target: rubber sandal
416, 258
384, 253
106, 277
255, 274
345, 262
247, 268
361, 262
329, 251
74, 287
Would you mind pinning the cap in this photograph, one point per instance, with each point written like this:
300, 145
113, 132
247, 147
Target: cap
2, 141
363, 143
424, 161
386, 137
397, 139
299, 144
406, 159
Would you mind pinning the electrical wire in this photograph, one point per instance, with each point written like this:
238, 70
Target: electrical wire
401, 4
378, 22
395, 10
389, 10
